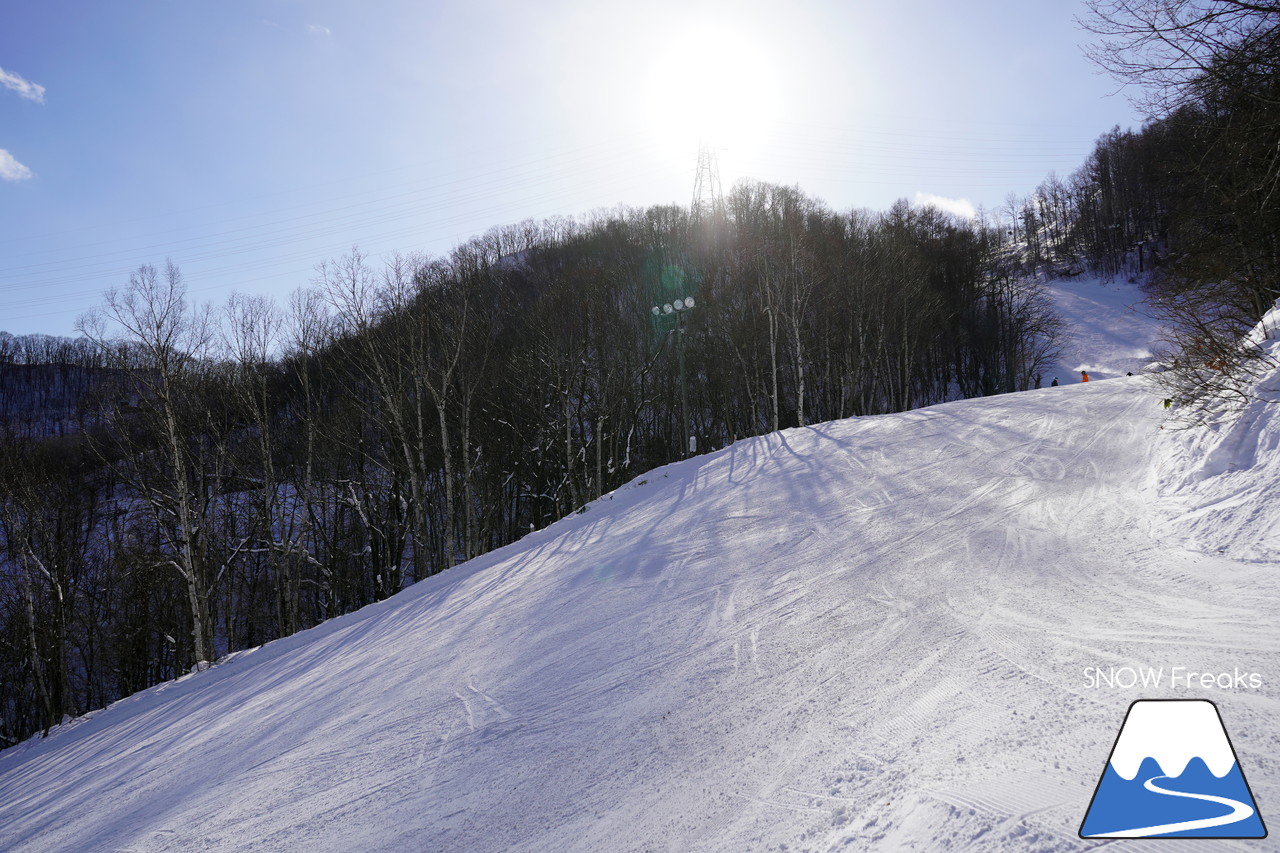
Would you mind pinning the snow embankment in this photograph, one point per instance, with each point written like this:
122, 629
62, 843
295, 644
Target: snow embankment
1222, 479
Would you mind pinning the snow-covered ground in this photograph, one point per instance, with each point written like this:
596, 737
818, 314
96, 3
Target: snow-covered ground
1108, 332
876, 634
1223, 484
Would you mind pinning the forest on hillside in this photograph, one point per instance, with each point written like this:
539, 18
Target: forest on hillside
204, 480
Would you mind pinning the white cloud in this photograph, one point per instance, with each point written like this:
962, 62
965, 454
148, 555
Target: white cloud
11, 169
318, 30
961, 207
25, 88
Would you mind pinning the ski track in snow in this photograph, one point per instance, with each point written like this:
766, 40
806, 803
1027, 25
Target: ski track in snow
862, 635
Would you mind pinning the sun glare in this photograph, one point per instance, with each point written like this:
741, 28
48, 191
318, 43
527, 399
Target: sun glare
711, 85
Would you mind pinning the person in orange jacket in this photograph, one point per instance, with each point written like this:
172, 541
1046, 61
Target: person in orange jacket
1084, 376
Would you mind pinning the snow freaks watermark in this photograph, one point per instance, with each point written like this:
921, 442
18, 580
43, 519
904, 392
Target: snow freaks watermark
1173, 773
1174, 677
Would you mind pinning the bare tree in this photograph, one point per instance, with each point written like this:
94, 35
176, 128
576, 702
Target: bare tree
1170, 48
153, 333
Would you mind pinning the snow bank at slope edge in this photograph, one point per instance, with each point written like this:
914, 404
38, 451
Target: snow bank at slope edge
1221, 482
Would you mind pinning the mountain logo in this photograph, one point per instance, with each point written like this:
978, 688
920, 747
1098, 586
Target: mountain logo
1172, 773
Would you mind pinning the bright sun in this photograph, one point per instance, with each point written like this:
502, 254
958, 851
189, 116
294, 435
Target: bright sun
715, 86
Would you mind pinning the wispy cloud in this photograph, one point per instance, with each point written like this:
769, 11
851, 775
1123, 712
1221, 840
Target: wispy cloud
961, 207
25, 88
11, 169
318, 30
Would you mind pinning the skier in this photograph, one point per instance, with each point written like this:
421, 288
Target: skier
1054, 383
1084, 376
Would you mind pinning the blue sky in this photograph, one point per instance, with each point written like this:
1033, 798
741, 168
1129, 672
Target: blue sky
248, 140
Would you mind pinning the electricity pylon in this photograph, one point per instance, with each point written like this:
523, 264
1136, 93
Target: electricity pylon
707, 198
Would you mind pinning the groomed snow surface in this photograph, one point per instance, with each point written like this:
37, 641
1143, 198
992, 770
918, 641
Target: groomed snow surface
871, 634
1108, 332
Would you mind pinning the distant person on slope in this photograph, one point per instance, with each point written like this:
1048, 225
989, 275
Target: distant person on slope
1054, 383
1084, 376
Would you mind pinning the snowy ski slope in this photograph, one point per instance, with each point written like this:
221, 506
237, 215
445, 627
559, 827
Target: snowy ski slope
1108, 333
873, 634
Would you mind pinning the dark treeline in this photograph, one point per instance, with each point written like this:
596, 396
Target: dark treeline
237, 475
42, 380
1171, 199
